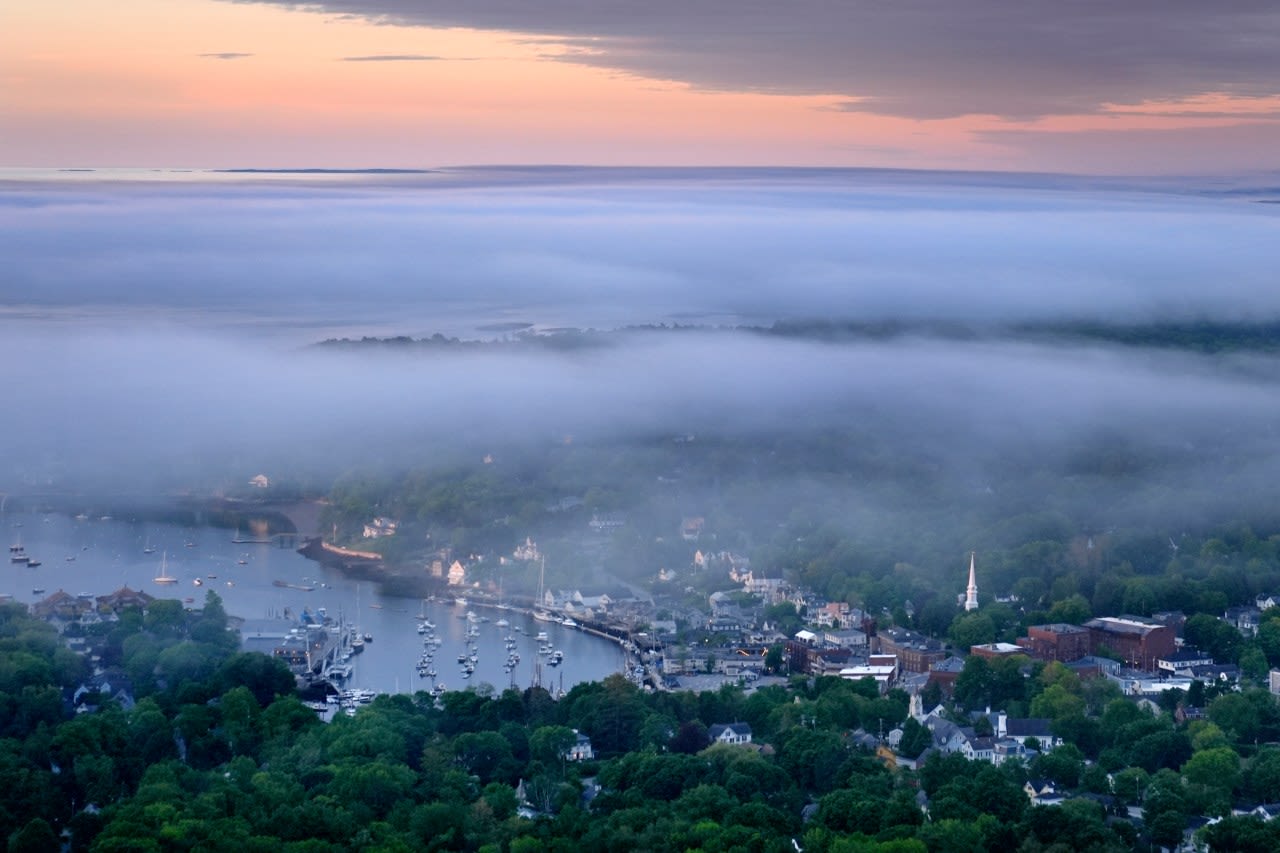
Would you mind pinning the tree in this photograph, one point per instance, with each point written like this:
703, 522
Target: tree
1253, 665
691, 737
1211, 634
1057, 703
1236, 716
971, 629
1262, 776
165, 617
550, 744
915, 738
974, 683
784, 616
774, 659
486, 755
1063, 765
1073, 610
35, 837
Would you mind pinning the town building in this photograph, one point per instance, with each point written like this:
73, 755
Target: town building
945, 672
915, 652
882, 668
991, 651
1138, 642
1183, 659
1056, 642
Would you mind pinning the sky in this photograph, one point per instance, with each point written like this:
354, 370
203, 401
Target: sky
1140, 87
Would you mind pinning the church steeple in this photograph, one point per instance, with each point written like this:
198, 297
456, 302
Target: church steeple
971, 591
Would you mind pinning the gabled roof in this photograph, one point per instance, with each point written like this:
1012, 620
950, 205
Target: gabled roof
739, 729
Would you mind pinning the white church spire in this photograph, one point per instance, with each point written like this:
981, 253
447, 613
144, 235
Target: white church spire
971, 591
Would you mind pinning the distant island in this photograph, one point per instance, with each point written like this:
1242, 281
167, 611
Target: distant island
1198, 336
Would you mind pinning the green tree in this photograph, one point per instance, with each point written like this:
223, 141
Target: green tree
971, 629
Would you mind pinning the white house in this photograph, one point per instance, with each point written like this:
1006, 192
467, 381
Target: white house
581, 748
731, 733
379, 527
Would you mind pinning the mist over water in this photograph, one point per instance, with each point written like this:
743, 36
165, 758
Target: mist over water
156, 334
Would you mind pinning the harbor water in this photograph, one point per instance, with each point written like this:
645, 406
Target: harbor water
261, 581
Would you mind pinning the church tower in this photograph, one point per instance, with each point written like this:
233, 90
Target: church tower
971, 591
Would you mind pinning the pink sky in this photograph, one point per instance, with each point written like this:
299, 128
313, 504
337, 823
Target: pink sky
204, 83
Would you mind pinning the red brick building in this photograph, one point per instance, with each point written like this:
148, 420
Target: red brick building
1058, 641
1138, 642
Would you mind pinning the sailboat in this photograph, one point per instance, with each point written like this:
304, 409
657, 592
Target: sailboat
357, 639
147, 547
164, 577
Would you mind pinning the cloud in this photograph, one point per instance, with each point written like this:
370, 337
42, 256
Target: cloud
922, 59
226, 55
397, 57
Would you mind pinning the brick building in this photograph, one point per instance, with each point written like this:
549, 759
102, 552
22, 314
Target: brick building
915, 652
1138, 642
1058, 641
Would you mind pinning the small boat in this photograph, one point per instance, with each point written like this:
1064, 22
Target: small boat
568, 623
298, 586
32, 562
71, 558
38, 591
198, 582
502, 623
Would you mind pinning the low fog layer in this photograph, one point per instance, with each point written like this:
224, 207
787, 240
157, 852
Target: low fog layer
156, 336
450, 252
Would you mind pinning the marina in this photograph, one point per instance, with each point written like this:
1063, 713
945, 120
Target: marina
274, 587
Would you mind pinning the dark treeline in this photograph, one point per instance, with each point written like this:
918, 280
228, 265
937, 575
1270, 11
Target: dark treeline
1198, 336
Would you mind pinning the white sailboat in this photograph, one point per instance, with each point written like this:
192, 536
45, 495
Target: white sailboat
164, 577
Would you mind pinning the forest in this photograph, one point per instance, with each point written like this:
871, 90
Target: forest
212, 750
